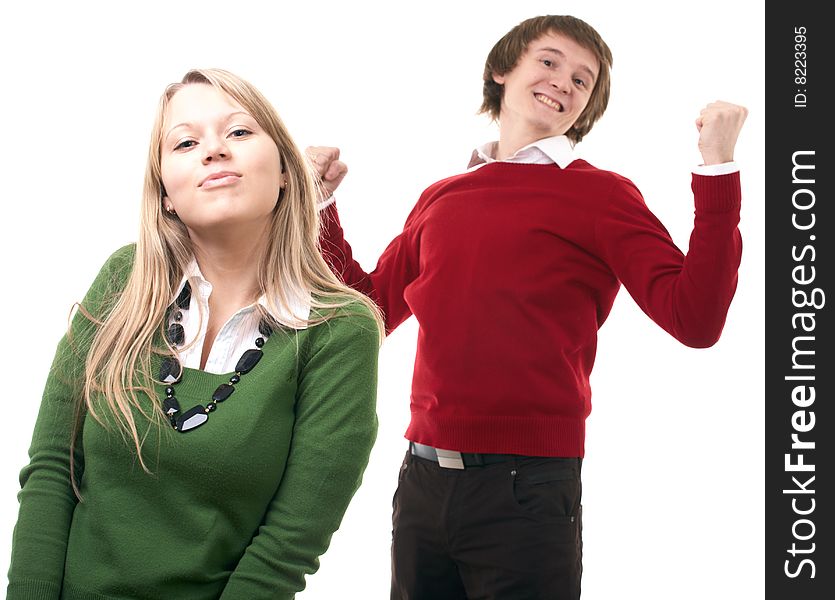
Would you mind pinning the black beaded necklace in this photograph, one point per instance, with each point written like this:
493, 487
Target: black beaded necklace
171, 371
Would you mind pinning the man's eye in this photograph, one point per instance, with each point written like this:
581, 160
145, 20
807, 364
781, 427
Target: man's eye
240, 132
185, 144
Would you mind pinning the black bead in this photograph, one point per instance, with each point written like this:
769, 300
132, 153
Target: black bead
178, 316
176, 334
248, 360
192, 418
223, 391
265, 328
184, 298
234, 379
259, 342
170, 370
169, 391
210, 407
170, 406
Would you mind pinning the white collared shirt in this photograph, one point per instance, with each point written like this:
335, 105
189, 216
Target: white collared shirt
237, 335
558, 149
547, 151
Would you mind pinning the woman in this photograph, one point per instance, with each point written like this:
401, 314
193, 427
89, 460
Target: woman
210, 412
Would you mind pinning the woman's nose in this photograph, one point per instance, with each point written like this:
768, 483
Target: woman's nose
215, 150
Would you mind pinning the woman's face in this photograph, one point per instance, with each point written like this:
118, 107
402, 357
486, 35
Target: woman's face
219, 168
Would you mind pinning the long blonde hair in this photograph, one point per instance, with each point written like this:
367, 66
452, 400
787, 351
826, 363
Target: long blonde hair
118, 365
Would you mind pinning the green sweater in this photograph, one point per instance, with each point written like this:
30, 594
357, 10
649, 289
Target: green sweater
239, 509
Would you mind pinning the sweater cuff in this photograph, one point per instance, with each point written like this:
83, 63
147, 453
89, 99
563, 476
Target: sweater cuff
717, 193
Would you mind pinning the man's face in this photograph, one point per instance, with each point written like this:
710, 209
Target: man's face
548, 88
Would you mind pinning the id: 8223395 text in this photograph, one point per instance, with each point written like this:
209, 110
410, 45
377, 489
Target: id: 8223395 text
800, 67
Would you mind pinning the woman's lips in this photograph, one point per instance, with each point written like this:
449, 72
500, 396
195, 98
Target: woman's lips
219, 179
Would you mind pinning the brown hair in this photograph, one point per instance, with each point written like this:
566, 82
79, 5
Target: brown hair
507, 51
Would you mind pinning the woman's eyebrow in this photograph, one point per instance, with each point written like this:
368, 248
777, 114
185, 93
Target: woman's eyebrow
189, 124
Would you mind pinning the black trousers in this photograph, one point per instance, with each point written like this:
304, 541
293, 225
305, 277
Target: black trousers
505, 531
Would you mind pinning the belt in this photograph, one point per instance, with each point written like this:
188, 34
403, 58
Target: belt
450, 459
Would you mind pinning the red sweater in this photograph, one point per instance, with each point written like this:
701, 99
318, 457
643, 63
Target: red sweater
511, 269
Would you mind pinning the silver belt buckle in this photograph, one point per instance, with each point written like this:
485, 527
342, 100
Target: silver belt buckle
449, 459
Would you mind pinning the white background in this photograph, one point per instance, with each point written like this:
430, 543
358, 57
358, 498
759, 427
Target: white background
673, 477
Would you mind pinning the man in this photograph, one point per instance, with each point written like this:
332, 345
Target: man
510, 269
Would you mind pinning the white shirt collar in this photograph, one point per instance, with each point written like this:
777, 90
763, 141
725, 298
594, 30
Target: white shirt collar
556, 149
295, 315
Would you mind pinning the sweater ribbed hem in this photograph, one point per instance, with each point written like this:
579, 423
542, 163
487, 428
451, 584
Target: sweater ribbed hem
47, 590
717, 193
543, 435
33, 590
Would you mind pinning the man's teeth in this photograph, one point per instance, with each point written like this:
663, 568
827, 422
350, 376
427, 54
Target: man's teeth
548, 102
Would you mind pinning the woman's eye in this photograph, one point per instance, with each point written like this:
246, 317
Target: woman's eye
240, 132
580, 82
185, 144
547, 62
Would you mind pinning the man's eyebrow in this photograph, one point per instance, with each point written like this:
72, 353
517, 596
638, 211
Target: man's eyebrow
189, 124
561, 54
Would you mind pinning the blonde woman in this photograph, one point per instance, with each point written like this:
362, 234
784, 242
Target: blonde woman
210, 412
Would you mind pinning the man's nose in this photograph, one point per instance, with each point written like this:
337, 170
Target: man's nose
561, 82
